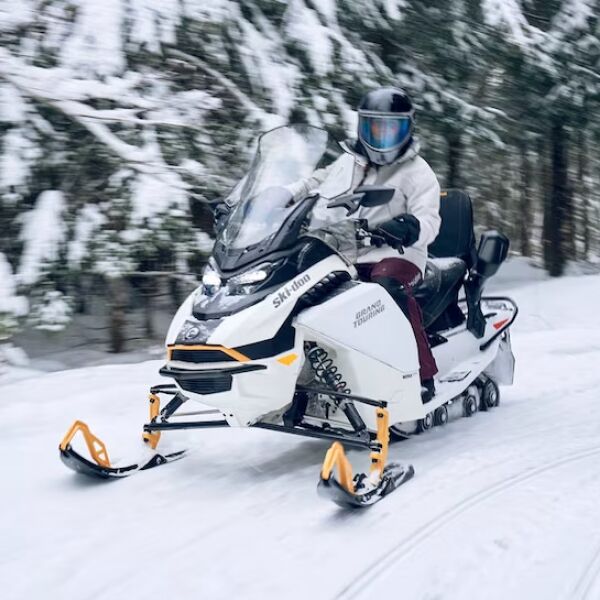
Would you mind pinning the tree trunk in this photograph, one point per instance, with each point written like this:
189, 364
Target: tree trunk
175, 293
118, 306
557, 215
525, 220
545, 189
583, 193
455, 151
504, 219
147, 294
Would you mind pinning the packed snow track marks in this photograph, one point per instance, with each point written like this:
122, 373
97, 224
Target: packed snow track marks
589, 581
504, 506
444, 518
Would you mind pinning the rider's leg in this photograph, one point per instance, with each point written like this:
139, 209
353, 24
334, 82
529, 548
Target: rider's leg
399, 277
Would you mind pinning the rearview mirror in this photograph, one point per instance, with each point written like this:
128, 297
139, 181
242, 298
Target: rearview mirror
375, 195
366, 195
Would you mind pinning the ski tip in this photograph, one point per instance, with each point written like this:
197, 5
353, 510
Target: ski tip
81, 465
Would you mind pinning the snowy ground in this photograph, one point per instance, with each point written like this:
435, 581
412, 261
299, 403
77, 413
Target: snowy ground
503, 506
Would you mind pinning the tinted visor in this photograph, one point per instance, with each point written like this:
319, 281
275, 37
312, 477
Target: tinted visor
383, 133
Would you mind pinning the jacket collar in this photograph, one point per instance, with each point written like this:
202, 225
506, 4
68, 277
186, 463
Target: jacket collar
352, 146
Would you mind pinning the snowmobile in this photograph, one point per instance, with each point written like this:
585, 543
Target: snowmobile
283, 335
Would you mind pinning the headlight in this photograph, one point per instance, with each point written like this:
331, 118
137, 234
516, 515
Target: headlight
250, 277
246, 283
210, 280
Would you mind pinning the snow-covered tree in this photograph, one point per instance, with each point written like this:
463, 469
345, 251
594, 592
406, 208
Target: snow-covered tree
12, 305
122, 120
552, 53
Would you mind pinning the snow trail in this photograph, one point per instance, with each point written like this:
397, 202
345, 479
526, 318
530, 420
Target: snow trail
503, 505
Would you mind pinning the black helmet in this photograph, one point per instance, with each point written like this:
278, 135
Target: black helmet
385, 124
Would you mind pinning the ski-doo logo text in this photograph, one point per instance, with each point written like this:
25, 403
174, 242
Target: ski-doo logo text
288, 290
366, 314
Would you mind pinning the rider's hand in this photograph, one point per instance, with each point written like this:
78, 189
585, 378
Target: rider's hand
402, 231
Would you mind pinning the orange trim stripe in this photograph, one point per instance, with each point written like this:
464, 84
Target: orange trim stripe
288, 359
229, 351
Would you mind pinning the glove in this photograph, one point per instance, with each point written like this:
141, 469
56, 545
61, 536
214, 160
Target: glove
402, 231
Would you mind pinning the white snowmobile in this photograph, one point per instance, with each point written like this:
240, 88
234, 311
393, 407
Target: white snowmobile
283, 335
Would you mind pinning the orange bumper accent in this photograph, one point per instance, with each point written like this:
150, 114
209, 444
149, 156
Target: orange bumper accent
288, 359
228, 351
95, 446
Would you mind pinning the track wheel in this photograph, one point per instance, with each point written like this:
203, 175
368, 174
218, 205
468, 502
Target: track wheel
425, 423
470, 404
490, 395
440, 415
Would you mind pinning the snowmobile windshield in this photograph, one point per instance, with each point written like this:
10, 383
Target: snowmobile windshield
279, 179
332, 225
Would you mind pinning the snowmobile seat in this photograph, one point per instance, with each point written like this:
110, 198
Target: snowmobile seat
451, 254
438, 292
456, 237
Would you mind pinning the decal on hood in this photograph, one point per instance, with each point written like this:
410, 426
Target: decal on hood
286, 292
368, 313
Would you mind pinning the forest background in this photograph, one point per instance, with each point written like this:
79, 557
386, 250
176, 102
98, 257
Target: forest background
123, 121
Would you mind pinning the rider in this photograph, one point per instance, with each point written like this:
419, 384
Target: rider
386, 153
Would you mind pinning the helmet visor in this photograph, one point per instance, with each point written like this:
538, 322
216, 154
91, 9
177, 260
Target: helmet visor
383, 133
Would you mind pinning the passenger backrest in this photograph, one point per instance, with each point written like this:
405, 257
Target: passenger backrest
456, 236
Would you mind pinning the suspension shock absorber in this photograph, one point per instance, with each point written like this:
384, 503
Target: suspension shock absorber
327, 374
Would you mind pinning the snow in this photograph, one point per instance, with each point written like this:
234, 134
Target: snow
95, 46
393, 8
43, 231
154, 23
303, 26
263, 63
507, 14
503, 505
17, 158
574, 15
52, 313
151, 194
10, 303
12, 106
86, 76
87, 222
15, 14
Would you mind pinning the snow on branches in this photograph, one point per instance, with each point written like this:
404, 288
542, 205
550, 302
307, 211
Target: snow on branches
43, 232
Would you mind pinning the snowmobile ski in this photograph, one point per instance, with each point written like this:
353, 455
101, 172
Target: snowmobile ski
363, 490
101, 467
364, 493
82, 465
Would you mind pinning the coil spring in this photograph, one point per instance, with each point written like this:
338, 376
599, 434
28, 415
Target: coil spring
326, 372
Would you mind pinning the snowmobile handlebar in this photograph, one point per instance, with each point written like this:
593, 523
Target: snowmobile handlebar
376, 239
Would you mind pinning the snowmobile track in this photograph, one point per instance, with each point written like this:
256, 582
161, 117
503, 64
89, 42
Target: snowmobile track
378, 566
588, 578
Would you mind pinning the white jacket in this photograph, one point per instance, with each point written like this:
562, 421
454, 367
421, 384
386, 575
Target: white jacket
417, 193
